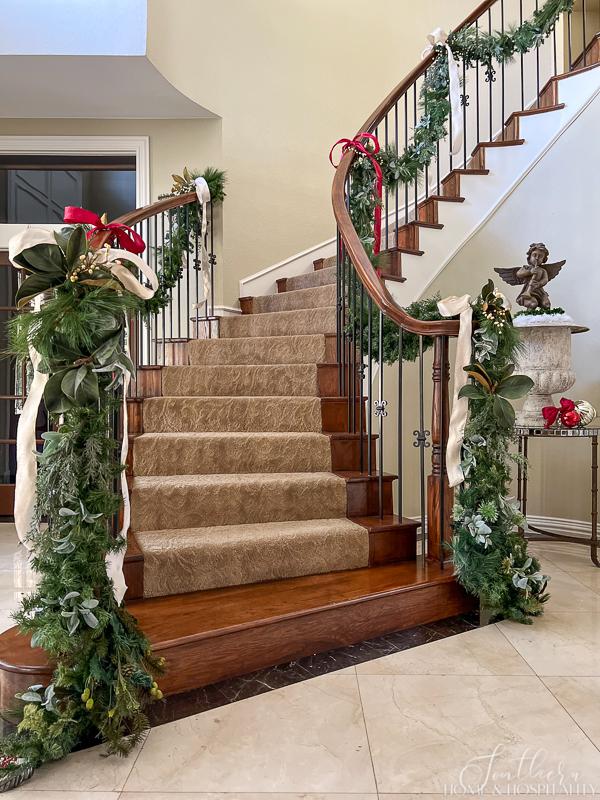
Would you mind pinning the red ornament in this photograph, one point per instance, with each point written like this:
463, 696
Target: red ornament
566, 405
550, 413
570, 419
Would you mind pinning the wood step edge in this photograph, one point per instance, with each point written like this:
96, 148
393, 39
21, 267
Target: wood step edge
561, 76
441, 198
388, 276
389, 522
498, 143
528, 112
461, 171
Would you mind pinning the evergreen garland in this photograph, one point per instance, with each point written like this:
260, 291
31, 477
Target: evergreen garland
105, 670
185, 225
473, 47
490, 556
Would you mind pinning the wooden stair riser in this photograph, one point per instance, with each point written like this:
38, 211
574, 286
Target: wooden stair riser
334, 414
451, 183
345, 452
328, 379
133, 569
323, 263
408, 235
363, 495
478, 156
427, 210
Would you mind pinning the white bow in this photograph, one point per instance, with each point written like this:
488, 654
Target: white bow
203, 194
439, 36
450, 307
25, 481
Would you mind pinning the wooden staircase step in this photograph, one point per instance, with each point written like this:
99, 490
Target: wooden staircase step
478, 154
590, 55
391, 538
408, 235
511, 126
427, 209
549, 92
213, 635
451, 183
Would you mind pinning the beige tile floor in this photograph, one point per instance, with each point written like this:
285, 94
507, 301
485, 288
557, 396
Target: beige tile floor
504, 709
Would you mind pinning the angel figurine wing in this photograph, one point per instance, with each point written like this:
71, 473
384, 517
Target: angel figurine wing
511, 277
554, 269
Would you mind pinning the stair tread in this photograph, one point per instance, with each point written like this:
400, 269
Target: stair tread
236, 479
252, 435
175, 620
294, 300
499, 143
319, 277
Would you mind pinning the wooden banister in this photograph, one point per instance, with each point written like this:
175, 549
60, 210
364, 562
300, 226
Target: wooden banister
153, 209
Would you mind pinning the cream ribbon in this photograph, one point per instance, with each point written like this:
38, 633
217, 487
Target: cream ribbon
451, 307
25, 481
439, 36
203, 195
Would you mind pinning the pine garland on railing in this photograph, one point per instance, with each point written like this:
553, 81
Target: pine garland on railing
179, 239
474, 47
104, 671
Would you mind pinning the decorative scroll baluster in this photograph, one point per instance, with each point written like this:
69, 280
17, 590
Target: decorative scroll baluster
439, 493
380, 413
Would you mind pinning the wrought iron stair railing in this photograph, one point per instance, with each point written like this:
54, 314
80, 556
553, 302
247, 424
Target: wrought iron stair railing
487, 101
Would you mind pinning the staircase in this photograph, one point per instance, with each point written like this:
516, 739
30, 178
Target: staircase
263, 527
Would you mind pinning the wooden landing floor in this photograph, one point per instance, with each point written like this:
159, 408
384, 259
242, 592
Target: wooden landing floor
213, 635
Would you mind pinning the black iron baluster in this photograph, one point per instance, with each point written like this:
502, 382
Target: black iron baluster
343, 319
465, 103
387, 193
420, 443
352, 343
396, 191
338, 311
197, 253
361, 379
369, 384
442, 450
502, 79
537, 66
164, 310
583, 26
212, 261
380, 413
405, 147
554, 53
400, 503
155, 328
426, 165
414, 126
570, 38
180, 267
477, 109
521, 59
490, 79
188, 233
171, 262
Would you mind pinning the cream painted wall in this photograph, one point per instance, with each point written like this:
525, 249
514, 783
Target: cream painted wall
288, 78
558, 204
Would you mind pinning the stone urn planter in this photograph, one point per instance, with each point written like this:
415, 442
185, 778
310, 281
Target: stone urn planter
546, 358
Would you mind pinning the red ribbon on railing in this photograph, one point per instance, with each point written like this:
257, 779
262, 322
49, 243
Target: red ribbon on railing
357, 145
126, 237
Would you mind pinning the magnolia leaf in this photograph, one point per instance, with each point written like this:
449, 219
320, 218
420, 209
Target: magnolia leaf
34, 285
515, 386
54, 398
504, 412
45, 258
472, 392
67, 384
76, 246
88, 392
481, 379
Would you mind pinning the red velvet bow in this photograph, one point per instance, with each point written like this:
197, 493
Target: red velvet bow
565, 414
126, 237
357, 145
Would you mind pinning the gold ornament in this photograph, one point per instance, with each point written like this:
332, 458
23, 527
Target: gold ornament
586, 411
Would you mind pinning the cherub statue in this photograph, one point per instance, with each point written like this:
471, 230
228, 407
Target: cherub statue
534, 276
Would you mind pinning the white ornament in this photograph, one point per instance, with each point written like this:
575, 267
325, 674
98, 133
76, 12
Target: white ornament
586, 411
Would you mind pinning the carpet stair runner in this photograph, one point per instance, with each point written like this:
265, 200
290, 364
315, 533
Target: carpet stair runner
244, 472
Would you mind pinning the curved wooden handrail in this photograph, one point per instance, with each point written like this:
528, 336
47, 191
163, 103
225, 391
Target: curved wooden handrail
140, 214
373, 284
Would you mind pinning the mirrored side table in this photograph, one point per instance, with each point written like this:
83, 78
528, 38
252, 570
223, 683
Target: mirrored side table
533, 533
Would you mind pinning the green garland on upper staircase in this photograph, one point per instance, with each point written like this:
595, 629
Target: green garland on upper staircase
185, 226
104, 669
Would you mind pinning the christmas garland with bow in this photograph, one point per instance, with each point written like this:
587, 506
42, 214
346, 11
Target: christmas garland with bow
105, 672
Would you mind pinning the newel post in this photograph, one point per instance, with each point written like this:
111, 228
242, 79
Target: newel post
439, 494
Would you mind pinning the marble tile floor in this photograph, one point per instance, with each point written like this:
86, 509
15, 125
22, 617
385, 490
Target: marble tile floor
506, 709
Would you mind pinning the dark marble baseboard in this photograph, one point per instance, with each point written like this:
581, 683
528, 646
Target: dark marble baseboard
265, 680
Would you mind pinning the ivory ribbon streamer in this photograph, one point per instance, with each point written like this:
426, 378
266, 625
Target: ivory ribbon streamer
439, 36
25, 481
450, 307
203, 194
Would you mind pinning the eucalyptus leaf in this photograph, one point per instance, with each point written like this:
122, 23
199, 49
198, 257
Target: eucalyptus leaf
90, 619
30, 697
